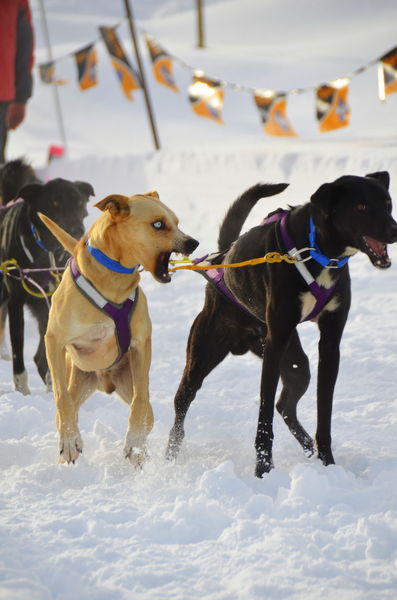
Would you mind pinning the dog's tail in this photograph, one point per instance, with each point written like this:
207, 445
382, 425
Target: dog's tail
240, 209
67, 240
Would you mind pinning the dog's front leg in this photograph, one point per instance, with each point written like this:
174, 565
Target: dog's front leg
70, 442
140, 420
331, 330
275, 344
16, 324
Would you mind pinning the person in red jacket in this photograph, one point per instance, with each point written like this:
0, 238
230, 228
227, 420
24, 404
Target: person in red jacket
16, 62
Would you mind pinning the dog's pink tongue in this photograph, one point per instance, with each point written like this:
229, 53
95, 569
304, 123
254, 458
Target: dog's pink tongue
376, 246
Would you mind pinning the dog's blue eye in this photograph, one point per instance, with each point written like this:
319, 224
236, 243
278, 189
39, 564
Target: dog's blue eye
158, 225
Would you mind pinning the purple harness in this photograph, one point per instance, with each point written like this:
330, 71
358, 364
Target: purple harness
120, 313
216, 275
322, 295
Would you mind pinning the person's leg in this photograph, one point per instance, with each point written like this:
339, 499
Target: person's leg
3, 130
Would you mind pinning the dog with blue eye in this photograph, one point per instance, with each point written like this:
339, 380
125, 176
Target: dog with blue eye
99, 329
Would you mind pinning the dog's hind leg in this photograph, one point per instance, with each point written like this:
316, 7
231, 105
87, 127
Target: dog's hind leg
295, 375
4, 354
207, 347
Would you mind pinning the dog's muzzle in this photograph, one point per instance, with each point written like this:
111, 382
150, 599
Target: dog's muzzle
376, 252
187, 246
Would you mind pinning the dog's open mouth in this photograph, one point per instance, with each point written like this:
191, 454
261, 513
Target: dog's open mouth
377, 252
162, 267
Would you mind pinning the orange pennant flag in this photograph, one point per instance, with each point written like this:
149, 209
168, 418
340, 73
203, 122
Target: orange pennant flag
206, 97
272, 108
387, 74
128, 77
162, 64
332, 110
86, 61
47, 74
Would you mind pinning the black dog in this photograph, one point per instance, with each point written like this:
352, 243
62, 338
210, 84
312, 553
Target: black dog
25, 238
349, 215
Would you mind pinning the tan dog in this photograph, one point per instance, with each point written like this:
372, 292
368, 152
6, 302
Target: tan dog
83, 350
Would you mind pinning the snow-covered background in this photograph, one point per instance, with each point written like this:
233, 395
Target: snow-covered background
205, 528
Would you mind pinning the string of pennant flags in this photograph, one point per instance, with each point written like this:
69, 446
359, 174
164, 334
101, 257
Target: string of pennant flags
206, 94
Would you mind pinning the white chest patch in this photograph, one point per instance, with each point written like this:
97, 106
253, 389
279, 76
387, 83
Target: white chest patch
308, 301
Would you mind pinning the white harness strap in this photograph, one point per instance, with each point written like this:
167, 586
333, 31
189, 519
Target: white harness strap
26, 250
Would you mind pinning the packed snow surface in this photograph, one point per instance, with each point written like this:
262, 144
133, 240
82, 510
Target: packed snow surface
205, 527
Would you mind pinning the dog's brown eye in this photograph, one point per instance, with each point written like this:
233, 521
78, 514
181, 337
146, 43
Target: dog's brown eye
158, 225
361, 207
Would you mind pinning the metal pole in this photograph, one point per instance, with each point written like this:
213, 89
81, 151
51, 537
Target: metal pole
142, 74
200, 26
57, 101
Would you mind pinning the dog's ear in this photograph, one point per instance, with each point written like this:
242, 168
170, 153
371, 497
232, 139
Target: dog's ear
382, 177
117, 206
30, 191
323, 198
153, 194
85, 188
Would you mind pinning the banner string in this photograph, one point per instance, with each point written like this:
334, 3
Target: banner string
206, 93
222, 82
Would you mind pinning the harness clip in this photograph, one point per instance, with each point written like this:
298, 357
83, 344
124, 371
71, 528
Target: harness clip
333, 263
297, 254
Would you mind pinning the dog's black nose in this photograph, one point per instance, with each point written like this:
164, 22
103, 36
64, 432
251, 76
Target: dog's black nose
190, 245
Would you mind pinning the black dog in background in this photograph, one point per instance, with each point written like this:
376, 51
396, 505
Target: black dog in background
24, 237
349, 215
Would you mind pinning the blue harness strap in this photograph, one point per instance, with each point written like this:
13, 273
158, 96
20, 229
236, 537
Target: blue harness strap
322, 295
319, 256
120, 313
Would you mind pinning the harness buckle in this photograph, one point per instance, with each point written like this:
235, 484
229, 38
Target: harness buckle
297, 254
333, 263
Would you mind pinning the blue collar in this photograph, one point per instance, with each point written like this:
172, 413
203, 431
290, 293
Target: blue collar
37, 238
321, 258
109, 263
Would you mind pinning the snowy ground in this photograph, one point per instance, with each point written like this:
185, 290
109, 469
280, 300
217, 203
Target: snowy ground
205, 527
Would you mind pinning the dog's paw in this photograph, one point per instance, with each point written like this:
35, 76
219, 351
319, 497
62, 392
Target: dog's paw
263, 466
135, 450
136, 456
326, 457
172, 451
70, 448
174, 443
308, 447
21, 383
